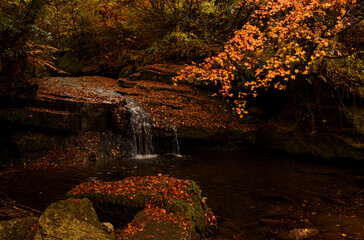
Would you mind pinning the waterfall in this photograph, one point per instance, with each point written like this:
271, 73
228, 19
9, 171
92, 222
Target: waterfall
141, 133
175, 149
142, 144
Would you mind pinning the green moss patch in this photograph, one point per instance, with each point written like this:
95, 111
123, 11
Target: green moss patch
73, 219
182, 198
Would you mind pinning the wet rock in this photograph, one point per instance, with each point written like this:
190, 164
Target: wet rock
93, 116
16, 229
122, 207
42, 118
64, 107
73, 219
159, 229
107, 227
195, 132
80, 150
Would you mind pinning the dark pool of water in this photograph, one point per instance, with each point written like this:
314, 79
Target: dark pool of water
242, 188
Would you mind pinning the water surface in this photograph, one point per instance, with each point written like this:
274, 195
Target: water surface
255, 195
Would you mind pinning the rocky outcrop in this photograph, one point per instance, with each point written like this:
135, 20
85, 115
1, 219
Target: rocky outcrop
16, 229
62, 109
177, 203
73, 219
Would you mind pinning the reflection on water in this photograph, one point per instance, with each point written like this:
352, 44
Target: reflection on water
245, 190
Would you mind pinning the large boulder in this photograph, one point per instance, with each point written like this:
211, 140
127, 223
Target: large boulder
16, 229
74, 219
63, 109
126, 198
156, 223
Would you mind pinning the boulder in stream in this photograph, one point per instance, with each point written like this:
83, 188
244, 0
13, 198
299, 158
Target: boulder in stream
155, 202
74, 219
16, 229
156, 223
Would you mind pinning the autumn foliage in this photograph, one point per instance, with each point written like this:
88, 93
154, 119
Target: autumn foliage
149, 214
156, 185
161, 198
285, 40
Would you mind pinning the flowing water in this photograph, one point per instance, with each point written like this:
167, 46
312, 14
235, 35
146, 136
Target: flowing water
142, 143
243, 188
140, 126
175, 148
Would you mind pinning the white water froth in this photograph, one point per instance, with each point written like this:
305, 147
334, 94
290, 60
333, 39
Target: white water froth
176, 149
141, 132
149, 156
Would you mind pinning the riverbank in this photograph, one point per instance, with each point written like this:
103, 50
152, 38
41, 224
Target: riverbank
88, 114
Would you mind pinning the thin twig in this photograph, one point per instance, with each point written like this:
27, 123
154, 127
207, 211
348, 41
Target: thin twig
12, 204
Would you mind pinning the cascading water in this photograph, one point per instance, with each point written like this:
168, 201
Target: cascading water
142, 144
141, 132
176, 149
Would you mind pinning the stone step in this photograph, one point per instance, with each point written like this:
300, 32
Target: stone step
41, 118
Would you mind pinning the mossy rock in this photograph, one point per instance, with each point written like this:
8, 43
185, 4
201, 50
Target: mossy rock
180, 197
16, 229
158, 228
72, 218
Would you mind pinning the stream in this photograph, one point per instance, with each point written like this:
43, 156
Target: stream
254, 194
